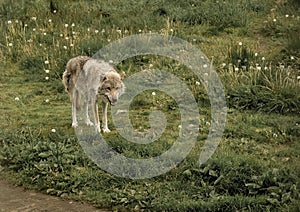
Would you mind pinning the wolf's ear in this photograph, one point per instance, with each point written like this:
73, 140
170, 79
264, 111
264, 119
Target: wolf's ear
102, 77
122, 75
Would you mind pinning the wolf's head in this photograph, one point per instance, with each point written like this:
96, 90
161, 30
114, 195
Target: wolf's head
112, 86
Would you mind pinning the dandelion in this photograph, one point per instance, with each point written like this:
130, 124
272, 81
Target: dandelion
10, 44
197, 83
53, 130
111, 61
54, 11
61, 35
263, 58
258, 68
46, 62
194, 40
17, 99
286, 15
71, 44
266, 68
44, 33
171, 30
223, 65
150, 65
239, 60
256, 54
292, 57
47, 100
108, 40
67, 38
179, 126
25, 25
9, 22
102, 31
153, 93
66, 25
205, 66
34, 29
96, 31
205, 74
33, 18
88, 29
240, 43
298, 77
274, 20
119, 31
47, 71
16, 21
50, 20
140, 30
73, 25
65, 47
46, 78
236, 68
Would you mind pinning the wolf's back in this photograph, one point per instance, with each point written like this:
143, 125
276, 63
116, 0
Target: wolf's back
73, 68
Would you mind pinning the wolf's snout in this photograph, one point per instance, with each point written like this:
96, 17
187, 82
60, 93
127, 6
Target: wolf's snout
114, 101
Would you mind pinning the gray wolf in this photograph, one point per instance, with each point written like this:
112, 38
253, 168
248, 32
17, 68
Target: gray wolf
96, 78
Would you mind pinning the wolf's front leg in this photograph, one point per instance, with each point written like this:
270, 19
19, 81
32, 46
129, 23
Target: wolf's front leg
104, 117
96, 115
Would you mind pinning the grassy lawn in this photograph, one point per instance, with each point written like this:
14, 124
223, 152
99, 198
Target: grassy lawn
255, 49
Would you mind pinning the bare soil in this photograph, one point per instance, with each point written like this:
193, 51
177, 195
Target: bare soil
15, 199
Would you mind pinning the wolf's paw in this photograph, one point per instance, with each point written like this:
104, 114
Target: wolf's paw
106, 130
97, 128
75, 124
89, 123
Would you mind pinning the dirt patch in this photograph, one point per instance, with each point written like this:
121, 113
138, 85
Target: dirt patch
15, 199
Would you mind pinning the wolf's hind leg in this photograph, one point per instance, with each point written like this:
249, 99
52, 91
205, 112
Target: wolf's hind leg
74, 111
86, 112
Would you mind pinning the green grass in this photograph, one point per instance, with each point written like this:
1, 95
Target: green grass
255, 167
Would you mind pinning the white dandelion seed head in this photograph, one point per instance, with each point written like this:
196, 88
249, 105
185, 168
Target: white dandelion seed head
298, 77
66, 25
205, 66
292, 57
47, 71
96, 31
73, 25
153, 93
263, 58
46, 78
9, 21
47, 100
103, 30
65, 47
256, 54
44, 33
236, 68
71, 44
46, 62
286, 15
53, 130
10, 44
223, 65
54, 11
240, 43
258, 68
17, 99
198, 83
33, 18
34, 29
61, 35
179, 126
274, 20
